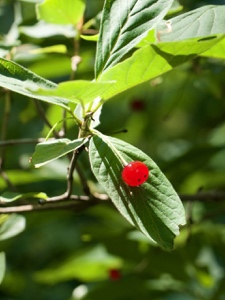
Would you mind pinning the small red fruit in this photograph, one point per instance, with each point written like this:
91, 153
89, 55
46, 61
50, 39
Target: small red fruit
135, 173
114, 274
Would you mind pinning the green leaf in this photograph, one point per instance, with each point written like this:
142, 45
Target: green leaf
92, 38
87, 265
217, 51
154, 207
201, 22
13, 225
2, 266
151, 61
50, 49
61, 12
20, 80
78, 91
124, 24
42, 29
145, 64
11, 196
50, 150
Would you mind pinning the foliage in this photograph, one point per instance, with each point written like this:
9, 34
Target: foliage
67, 67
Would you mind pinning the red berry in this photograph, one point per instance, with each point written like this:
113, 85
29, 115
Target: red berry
135, 173
137, 105
114, 274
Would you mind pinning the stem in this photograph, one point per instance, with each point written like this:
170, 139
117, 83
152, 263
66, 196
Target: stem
119, 156
21, 142
36, 207
71, 169
41, 112
80, 203
86, 189
5, 121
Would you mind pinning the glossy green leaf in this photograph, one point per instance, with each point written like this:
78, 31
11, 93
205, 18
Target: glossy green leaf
61, 12
2, 266
154, 207
201, 22
123, 25
20, 80
13, 225
151, 61
50, 150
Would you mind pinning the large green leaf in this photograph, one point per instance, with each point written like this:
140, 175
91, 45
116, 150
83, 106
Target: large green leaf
50, 150
61, 12
18, 79
154, 207
151, 61
123, 25
145, 64
201, 22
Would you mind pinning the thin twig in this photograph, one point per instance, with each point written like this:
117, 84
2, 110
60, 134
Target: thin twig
21, 141
212, 196
71, 169
78, 207
5, 121
83, 180
42, 112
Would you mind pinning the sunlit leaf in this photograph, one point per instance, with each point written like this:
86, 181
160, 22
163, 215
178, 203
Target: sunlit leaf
42, 29
50, 49
123, 25
201, 22
93, 38
154, 207
151, 61
79, 91
217, 51
61, 12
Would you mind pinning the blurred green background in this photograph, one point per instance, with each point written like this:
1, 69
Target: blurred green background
177, 119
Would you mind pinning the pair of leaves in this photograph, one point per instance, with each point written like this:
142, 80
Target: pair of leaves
124, 24
154, 207
146, 63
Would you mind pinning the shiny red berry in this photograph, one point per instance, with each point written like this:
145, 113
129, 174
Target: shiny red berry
135, 173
